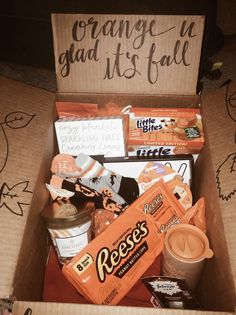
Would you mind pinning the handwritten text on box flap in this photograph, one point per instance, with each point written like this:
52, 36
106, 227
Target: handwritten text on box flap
150, 54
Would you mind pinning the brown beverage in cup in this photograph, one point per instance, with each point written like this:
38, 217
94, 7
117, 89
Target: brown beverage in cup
185, 249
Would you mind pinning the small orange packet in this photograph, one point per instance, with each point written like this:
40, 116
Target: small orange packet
108, 267
196, 215
164, 207
75, 109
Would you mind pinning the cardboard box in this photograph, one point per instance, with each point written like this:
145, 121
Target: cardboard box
28, 144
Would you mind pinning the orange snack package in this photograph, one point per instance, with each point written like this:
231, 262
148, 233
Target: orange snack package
196, 215
110, 265
114, 261
75, 109
161, 204
167, 130
181, 191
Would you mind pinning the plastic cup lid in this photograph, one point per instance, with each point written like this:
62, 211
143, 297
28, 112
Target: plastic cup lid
188, 242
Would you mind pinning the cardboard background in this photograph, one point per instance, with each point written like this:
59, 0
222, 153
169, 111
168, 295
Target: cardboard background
25, 117
22, 242
219, 110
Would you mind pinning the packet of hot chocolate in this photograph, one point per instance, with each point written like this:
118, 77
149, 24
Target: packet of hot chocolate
181, 191
171, 292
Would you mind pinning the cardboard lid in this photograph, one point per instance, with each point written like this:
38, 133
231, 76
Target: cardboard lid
22, 108
127, 53
37, 308
219, 111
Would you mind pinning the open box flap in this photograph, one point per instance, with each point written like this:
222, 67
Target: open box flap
128, 54
219, 111
25, 116
36, 308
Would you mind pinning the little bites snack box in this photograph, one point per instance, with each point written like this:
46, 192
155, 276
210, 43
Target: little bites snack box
28, 144
165, 131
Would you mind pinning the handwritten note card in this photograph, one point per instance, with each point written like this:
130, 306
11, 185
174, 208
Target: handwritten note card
103, 136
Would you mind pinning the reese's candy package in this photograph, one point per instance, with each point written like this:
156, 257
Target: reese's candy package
161, 204
108, 267
114, 261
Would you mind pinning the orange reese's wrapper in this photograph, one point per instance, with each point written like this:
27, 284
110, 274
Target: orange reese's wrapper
107, 268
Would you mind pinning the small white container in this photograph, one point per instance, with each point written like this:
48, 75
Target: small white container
69, 234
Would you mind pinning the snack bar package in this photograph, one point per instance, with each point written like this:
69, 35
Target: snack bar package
167, 130
111, 264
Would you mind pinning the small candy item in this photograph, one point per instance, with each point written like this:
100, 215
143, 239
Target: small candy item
182, 192
152, 172
196, 215
101, 220
163, 207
